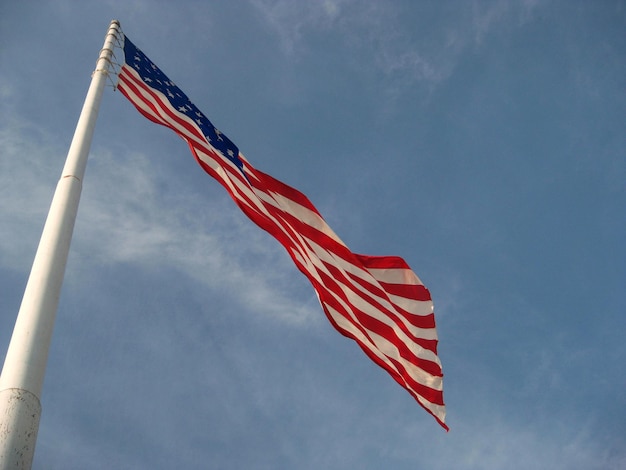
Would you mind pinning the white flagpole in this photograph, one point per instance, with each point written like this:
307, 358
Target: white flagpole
25, 364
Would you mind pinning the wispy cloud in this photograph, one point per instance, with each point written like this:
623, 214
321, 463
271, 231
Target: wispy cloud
403, 57
487, 16
207, 240
291, 20
363, 27
27, 180
124, 217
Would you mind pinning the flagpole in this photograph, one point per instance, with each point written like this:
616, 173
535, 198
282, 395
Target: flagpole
25, 363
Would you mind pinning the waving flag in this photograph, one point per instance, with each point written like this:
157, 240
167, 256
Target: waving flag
375, 300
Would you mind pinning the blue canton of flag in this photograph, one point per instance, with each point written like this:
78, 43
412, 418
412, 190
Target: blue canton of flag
155, 78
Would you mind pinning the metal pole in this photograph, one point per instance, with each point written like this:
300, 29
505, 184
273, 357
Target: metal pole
25, 364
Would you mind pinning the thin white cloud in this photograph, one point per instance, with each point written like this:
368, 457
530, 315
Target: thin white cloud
209, 241
291, 20
363, 28
500, 13
400, 55
27, 181
494, 441
123, 217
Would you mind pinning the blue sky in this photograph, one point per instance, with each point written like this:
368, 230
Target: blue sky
482, 141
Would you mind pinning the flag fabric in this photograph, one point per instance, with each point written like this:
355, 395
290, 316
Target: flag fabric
377, 301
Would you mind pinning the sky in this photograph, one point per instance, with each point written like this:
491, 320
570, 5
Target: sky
482, 141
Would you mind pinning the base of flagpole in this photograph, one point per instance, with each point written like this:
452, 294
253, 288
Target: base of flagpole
20, 411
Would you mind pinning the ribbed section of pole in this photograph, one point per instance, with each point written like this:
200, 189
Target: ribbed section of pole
25, 364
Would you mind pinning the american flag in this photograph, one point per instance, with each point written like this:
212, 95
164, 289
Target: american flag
378, 301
